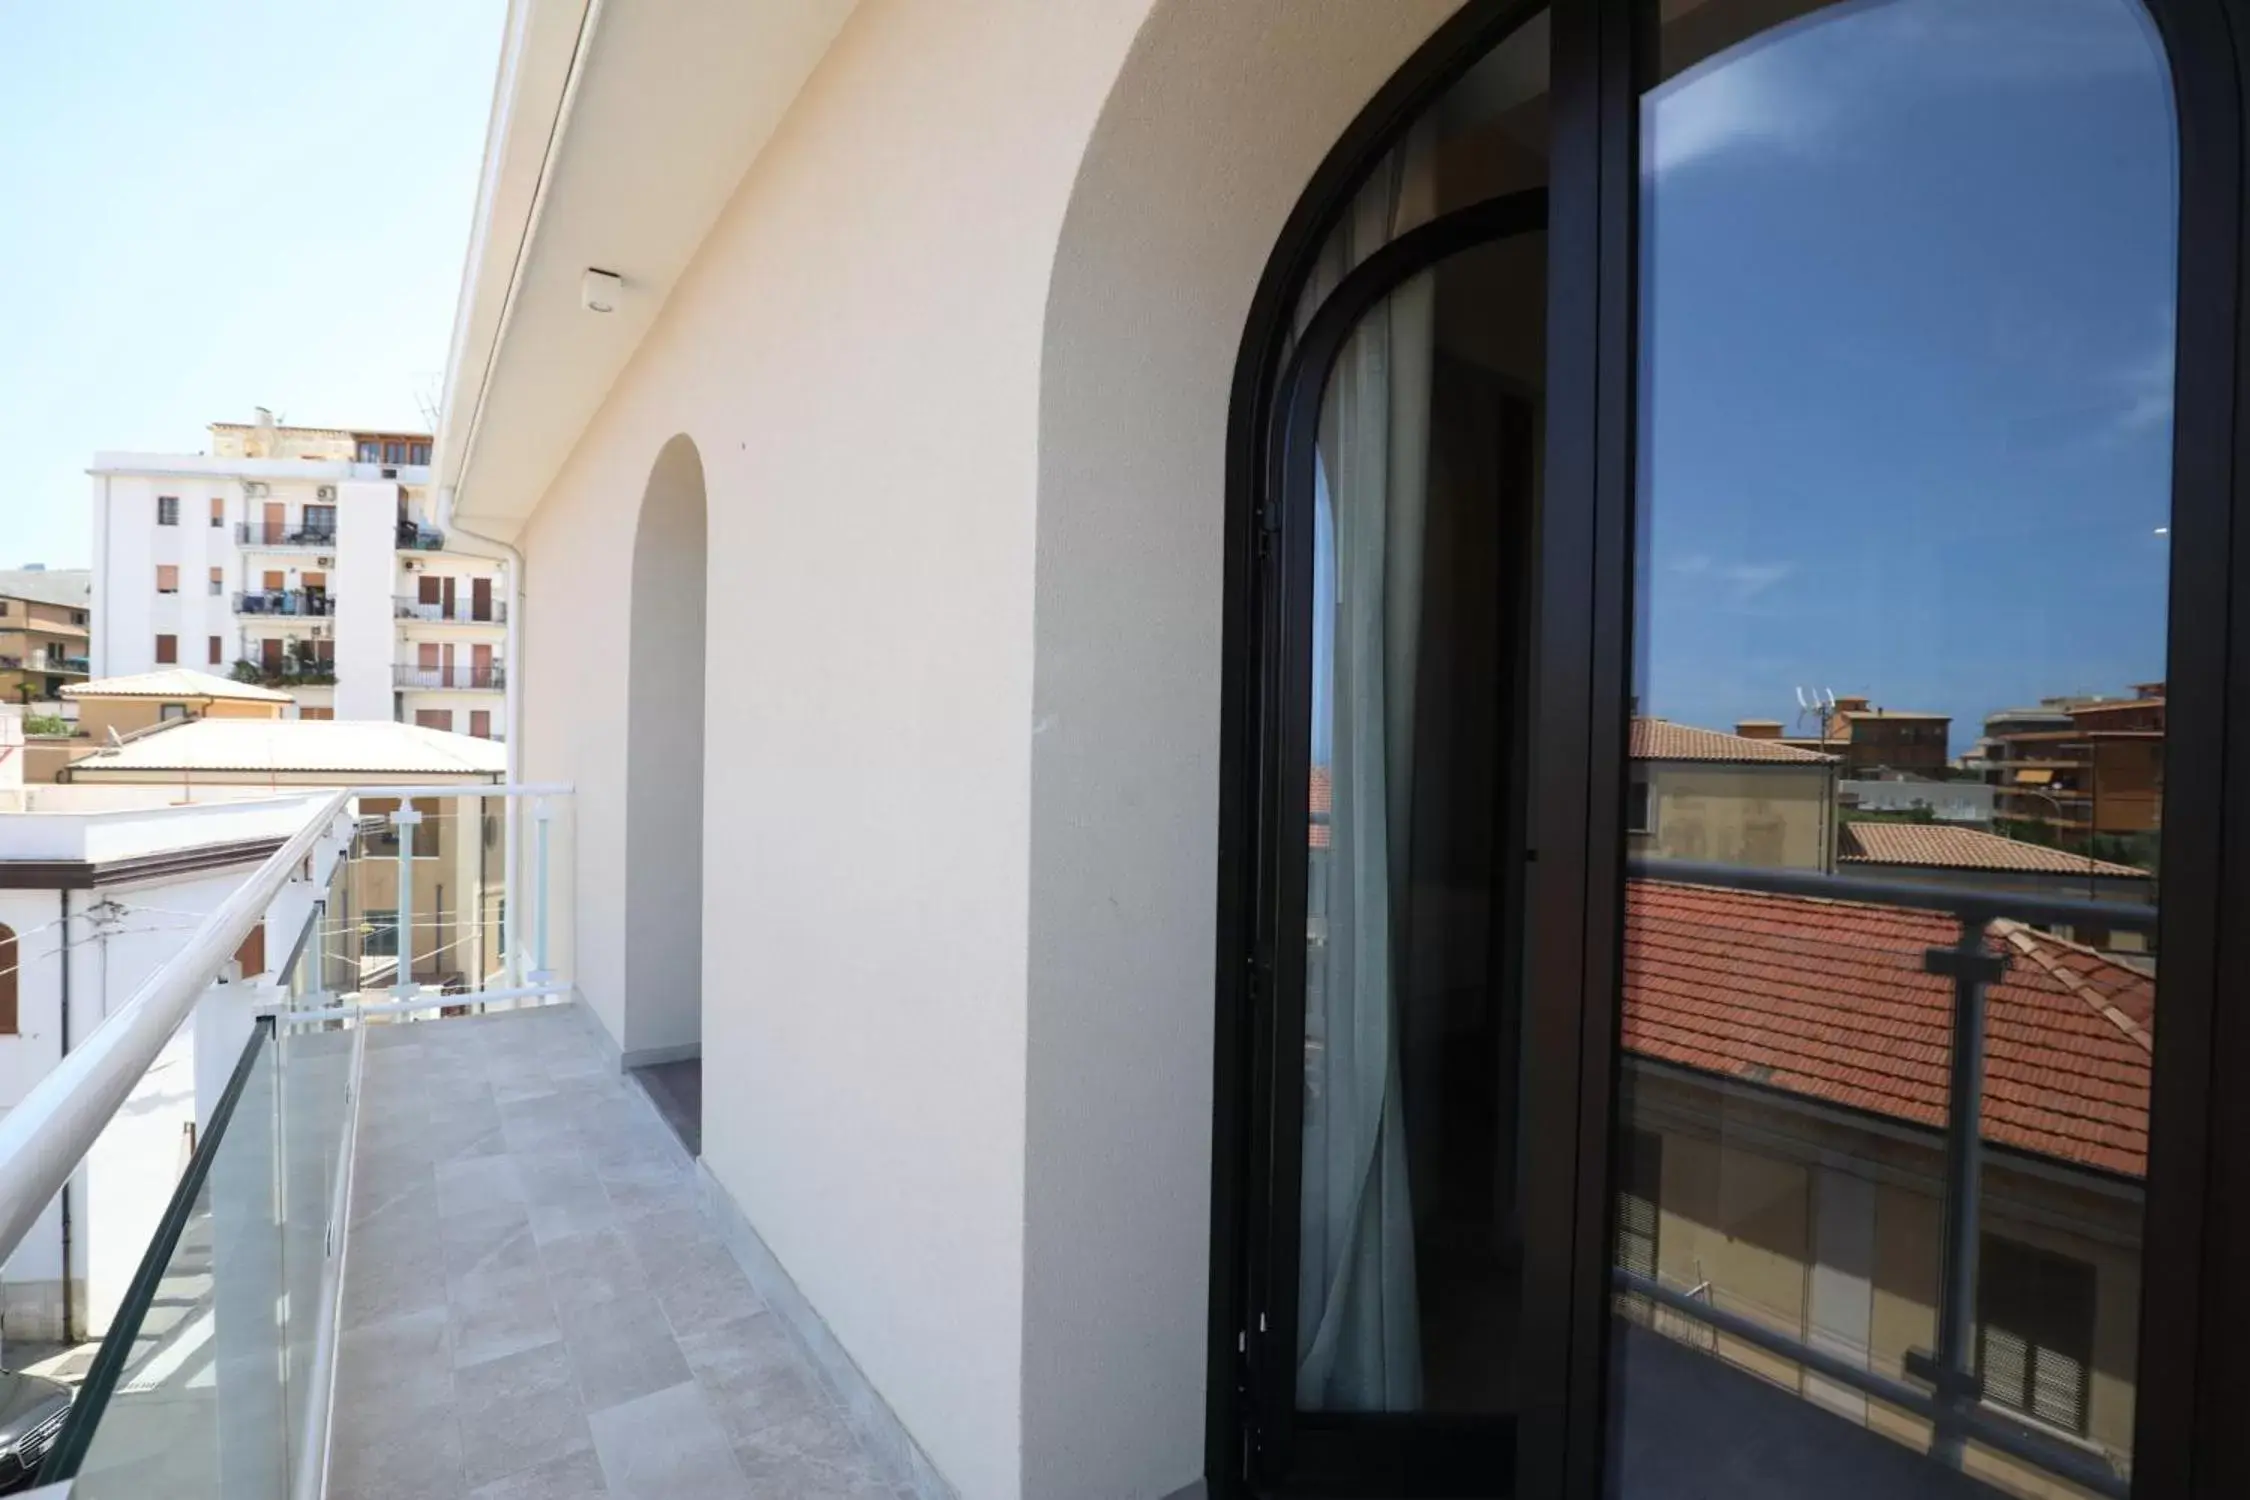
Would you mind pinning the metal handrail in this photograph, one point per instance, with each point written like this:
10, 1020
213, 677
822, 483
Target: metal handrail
1954, 900
1991, 1428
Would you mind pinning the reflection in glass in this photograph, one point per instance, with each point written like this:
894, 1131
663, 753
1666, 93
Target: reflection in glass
1907, 285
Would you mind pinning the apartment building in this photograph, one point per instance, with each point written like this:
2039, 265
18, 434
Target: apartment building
303, 558
1870, 738
43, 631
2081, 766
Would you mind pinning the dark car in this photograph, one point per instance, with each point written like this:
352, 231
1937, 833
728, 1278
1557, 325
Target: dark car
32, 1409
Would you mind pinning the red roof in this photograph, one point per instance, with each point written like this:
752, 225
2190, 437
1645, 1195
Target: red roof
1936, 845
1661, 739
1829, 999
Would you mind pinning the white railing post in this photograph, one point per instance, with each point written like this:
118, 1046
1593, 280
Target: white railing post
405, 820
540, 973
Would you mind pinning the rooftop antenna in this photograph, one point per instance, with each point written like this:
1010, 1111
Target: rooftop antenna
1820, 705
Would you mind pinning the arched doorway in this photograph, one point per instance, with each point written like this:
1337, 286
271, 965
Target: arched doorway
662, 1039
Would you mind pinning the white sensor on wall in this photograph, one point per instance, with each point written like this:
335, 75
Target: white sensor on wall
599, 290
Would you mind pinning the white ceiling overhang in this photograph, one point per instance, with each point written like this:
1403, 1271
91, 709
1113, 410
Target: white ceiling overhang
618, 133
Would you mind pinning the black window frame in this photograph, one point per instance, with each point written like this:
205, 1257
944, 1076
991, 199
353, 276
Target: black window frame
2194, 1316
167, 510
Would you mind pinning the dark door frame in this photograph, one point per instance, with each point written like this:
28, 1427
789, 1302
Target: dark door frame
2195, 1314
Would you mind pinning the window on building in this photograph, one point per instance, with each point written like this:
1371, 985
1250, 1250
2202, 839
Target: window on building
218, 651
167, 510
167, 650
434, 718
167, 578
320, 520
2035, 1331
1640, 1193
380, 937
480, 723
167, 712
316, 713
218, 581
8, 958
370, 451
1640, 808
218, 510
394, 453
418, 453
3, 607
78, 617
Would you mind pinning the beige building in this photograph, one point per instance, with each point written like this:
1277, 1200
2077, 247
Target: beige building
1735, 799
117, 706
43, 631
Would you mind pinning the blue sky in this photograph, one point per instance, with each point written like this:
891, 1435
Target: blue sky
218, 205
1908, 285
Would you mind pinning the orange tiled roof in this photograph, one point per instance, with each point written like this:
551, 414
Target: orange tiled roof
1661, 739
1937, 846
1829, 999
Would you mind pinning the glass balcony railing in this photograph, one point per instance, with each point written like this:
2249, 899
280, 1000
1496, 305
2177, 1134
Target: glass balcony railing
315, 602
216, 1372
458, 610
283, 534
464, 675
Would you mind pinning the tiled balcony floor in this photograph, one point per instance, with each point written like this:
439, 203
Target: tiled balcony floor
535, 1309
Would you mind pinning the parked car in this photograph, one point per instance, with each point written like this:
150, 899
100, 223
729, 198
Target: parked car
32, 1409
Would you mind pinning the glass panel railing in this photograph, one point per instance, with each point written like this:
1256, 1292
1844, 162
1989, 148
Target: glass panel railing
416, 916
188, 1396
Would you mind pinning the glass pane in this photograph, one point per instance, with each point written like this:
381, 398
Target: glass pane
1907, 275
1426, 483
200, 1408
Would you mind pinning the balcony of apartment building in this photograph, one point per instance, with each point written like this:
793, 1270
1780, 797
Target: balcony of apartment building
282, 664
278, 535
415, 536
296, 603
449, 676
476, 607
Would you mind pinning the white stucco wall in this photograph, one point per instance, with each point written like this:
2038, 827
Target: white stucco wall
366, 567
956, 362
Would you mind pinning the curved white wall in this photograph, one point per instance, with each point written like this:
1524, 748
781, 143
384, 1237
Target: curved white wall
956, 359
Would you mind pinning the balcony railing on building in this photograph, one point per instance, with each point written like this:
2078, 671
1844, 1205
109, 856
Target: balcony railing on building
1950, 1391
459, 675
287, 670
317, 602
458, 610
283, 534
216, 1374
415, 537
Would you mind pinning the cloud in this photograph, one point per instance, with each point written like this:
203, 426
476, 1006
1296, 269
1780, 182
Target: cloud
1737, 584
2145, 387
1746, 101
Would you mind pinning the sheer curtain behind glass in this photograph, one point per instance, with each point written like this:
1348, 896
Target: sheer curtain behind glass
1359, 1345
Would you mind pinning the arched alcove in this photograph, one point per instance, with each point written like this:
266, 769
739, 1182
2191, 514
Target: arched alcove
664, 693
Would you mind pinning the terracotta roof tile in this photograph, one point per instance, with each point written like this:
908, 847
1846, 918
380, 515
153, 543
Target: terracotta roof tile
1661, 739
1939, 846
1829, 999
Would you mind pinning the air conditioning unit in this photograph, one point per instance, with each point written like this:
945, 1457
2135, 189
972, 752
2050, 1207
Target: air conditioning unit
254, 488
325, 562
415, 565
327, 494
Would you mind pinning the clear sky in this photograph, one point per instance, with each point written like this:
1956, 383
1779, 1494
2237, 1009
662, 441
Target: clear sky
218, 205
1909, 285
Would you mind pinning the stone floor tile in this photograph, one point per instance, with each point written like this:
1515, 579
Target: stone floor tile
575, 1476
666, 1445
516, 1411
622, 1349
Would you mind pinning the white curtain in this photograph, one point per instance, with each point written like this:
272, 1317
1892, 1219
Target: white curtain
1359, 1345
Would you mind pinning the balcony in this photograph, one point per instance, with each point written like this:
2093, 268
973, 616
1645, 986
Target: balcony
459, 677
415, 537
281, 535
289, 602
288, 671
458, 610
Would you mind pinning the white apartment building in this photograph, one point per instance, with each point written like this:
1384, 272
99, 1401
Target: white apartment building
303, 558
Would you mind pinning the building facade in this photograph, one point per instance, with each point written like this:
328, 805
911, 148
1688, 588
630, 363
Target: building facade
302, 558
44, 630
2082, 767
1737, 799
